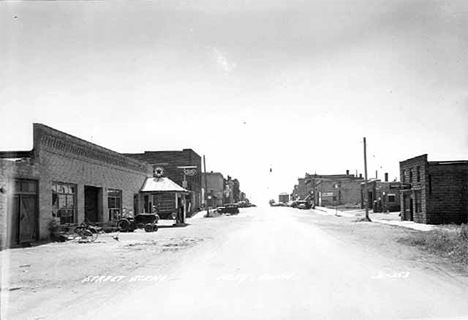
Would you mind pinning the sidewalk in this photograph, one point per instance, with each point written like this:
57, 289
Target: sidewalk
391, 218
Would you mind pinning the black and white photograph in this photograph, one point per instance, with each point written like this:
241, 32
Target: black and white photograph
234, 159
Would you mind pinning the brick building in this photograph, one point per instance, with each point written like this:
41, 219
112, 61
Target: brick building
173, 163
437, 192
215, 188
383, 196
302, 189
67, 179
336, 189
228, 190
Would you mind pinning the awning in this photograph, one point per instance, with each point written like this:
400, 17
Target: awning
162, 184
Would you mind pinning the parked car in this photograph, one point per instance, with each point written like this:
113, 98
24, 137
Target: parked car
147, 221
303, 204
230, 208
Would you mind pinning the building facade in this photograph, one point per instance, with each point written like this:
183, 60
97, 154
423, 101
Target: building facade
215, 188
437, 192
182, 167
335, 190
383, 196
66, 179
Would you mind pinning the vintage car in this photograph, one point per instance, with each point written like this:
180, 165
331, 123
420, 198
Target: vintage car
147, 221
230, 208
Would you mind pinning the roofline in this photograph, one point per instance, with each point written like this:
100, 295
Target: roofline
451, 162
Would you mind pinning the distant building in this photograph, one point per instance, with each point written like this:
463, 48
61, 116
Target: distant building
228, 190
334, 190
383, 196
173, 164
301, 189
284, 197
437, 191
215, 188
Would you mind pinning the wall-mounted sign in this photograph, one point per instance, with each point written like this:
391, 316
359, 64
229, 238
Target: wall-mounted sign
399, 185
190, 172
158, 172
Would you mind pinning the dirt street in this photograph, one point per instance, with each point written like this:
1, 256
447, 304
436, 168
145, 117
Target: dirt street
265, 263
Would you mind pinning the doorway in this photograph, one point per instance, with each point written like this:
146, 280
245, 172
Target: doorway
23, 215
92, 204
407, 207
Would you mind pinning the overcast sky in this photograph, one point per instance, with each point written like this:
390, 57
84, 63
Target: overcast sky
291, 85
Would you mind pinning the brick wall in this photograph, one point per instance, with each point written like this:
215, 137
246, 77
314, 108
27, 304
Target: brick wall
67, 159
447, 195
409, 174
347, 192
443, 187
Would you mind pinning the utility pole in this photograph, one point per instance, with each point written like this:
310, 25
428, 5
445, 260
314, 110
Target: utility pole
206, 188
365, 181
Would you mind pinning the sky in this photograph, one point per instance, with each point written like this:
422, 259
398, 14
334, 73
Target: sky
292, 86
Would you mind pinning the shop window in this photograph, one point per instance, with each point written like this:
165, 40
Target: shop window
391, 198
63, 202
114, 203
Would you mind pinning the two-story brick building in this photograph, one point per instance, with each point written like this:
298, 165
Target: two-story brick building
334, 189
437, 193
67, 179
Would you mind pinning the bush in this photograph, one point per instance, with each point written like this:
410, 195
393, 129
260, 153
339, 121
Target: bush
443, 242
464, 232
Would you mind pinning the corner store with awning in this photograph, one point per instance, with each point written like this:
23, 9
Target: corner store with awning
163, 193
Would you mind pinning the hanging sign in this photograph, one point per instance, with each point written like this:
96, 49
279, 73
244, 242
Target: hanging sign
190, 171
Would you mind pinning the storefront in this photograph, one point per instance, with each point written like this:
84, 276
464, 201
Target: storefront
66, 179
168, 199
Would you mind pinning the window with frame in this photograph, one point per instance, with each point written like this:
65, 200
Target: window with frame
64, 202
114, 204
391, 198
418, 201
430, 185
418, 174
411, 176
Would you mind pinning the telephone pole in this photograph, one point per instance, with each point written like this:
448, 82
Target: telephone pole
365, 182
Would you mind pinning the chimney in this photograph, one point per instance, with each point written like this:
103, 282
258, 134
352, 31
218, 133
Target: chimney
386, 176
376, 174
347, 172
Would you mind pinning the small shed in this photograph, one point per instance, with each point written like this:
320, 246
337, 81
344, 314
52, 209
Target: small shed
167, 196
